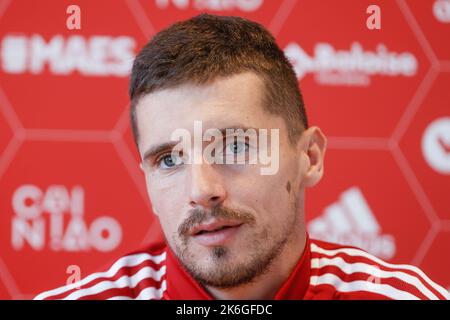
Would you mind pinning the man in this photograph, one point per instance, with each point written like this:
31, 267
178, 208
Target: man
232, 230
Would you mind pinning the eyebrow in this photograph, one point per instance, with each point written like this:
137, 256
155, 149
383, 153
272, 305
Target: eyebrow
154, 150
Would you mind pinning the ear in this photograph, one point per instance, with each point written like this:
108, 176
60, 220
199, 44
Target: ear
313, 146
141, 166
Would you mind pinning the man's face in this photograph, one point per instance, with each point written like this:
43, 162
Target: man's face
262, 214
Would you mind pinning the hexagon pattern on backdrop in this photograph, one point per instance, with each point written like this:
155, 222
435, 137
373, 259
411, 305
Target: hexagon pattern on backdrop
72, 193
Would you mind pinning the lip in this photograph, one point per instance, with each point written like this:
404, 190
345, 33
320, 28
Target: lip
214, 238
213, 225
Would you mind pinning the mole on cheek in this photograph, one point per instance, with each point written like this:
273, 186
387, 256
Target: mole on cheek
288, 186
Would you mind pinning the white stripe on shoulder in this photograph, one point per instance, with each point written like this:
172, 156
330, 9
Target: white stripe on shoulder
146, 294
123, 282
360, 253
126, 261
373, 271
361, 285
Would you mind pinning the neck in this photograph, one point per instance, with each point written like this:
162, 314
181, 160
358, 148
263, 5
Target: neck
265, 286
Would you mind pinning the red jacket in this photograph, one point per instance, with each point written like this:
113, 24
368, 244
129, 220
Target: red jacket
325, 271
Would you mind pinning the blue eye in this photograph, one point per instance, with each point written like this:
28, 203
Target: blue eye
169, 161
237, 147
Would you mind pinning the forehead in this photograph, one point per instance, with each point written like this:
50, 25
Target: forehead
226, 102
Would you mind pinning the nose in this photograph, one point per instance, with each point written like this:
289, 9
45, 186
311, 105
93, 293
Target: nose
206, 186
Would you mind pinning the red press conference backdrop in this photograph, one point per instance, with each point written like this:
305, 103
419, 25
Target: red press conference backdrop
71, 193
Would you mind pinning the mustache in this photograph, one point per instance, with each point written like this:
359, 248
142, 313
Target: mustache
197, 216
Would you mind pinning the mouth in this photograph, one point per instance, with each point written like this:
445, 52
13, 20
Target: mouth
213, 226
215, 233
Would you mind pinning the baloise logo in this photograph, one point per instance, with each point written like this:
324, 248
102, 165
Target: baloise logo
353, 67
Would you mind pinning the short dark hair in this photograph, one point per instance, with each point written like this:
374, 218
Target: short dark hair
203, 48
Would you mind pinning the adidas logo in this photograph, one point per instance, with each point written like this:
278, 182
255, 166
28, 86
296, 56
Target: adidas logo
350, 221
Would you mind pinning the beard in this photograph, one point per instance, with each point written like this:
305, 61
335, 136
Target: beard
223, 269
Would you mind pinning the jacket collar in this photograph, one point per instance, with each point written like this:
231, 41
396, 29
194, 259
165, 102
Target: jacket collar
181, 286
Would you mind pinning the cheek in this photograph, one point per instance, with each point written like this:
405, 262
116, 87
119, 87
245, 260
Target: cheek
273, 200
167, 225
166, 206
163, 193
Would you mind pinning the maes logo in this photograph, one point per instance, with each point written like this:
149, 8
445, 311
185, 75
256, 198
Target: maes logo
350, 221
94, 56
64, 226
